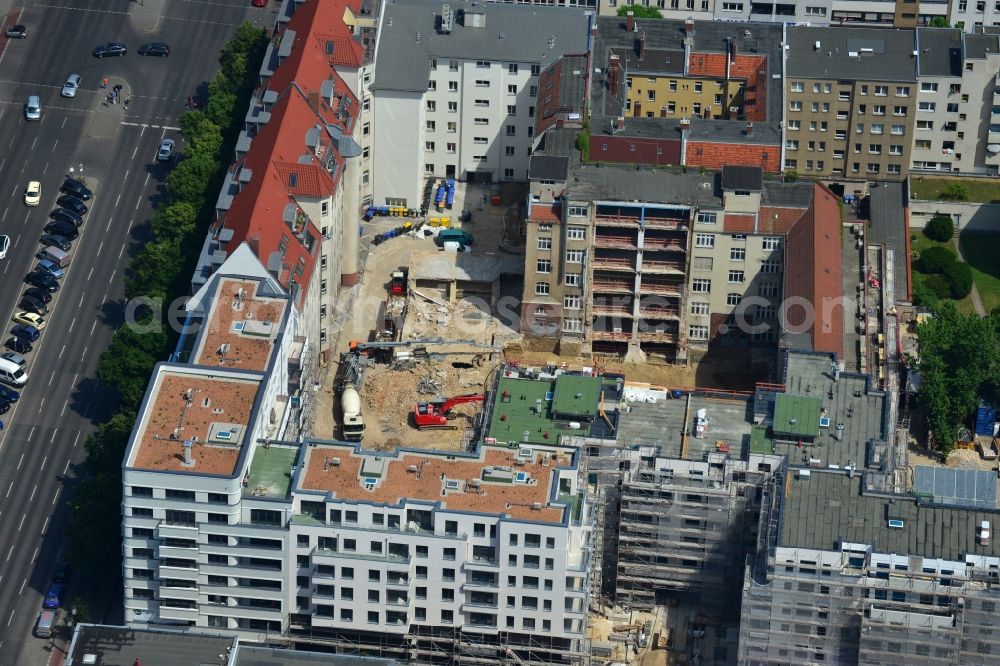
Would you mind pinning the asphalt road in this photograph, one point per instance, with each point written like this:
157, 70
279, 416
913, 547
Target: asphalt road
62, 402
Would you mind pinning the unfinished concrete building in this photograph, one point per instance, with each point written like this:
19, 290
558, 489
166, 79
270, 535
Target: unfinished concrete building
850, 575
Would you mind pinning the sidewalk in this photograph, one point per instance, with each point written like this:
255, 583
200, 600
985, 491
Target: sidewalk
977, 302
145, 14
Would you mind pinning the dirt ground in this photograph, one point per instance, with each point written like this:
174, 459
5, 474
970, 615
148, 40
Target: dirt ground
392, 394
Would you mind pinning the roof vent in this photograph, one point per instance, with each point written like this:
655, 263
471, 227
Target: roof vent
447, 19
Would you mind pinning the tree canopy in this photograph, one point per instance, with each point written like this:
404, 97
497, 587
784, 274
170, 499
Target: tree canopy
639, 11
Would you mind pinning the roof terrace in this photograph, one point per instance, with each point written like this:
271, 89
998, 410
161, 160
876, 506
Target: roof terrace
212, 410
518, 484
241, 328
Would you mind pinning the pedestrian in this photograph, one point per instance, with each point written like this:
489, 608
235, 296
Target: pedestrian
127, 100
104, 83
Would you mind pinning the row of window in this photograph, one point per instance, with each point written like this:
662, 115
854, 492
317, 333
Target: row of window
544, 288
704, 286
820, 165
827, 88
512, 68
708, 240
820, 146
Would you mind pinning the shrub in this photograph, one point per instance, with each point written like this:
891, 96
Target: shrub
791, 176
936, 259
923, 293
959, 278
940, 228
954, 192
639, 11
938, 286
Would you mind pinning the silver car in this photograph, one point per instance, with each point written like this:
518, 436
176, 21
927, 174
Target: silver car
71, 86
33, 108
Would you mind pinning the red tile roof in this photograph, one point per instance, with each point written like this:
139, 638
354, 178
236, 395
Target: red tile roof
739, 223
546, 213
752, 68
813, 272
258, 210
774, 220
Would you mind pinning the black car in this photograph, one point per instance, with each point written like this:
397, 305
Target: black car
17, 31
110, 49
19, 345
38, 294
77, 189
32, 304
62, 228
66, 216
4, 406
58, 241
158, 49
8, 394
69, 202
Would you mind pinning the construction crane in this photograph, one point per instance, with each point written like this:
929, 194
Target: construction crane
437, 413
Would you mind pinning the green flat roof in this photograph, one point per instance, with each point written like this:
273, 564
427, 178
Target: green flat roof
519, 412
796, 415
577, 395
271, 471
759, 441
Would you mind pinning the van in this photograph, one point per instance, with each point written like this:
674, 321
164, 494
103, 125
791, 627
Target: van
46, 620
55, 255
11, 373
453, 236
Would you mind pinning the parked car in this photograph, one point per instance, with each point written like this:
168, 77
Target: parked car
29, 333
4, 246
29, 319
49, 267
258, 3
32, 304
33, 193
54, 596
9, 394
67, 215
154, 49
62, 570
17, 31
39, 294
56, 240
166, 150
69, 202
40, 281
20, 345
110, 49
62, 228
14, 358
71, 86
4, 406
77, 189
33, 108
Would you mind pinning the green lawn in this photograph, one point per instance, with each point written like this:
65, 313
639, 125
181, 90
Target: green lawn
981, 190
982, 252
918, 243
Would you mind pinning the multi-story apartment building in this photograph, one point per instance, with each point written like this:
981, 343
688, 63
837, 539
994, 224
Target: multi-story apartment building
895, 13
418, 555
957, 121
973, 15
694, 93
851, 575
456, 90
606, 254
850, 102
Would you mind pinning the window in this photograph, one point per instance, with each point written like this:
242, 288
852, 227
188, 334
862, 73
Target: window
768, 289
429, 146
574, 256
571, 302
772, 242
706, 218
511, 130
572, 279
878, 128
878, 109
431, 105
704, 240
576, 233
572, 325
482, 102
577, 211
699, 308
696, 332
543, 266
927, 106
792, 144
450, 147
794, 125
541, 288
899, 110
737, 254
895, 149
816, 11
770, 266
922, 143
735, 277
733, 299
893, 169
366, 129
928, 87
481, 121
452, 108
874, 149
873, 167
702, 263
925, 125
508, 151
881, 91
897, 130
795, 105
544, 243
902, 91
797, 86
701, 286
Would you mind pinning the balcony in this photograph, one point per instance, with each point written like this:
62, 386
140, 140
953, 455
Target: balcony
620, 241
663, 245
613, 286
186, 593
481, 584
182, 614
658, 313
660, 288
611, 311
657, 336
609, 335
614, 263
165, 531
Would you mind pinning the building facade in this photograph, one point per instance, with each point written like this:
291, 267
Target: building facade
850, 102
455, 93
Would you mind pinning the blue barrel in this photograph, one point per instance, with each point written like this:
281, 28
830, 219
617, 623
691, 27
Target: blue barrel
986, 416
677, 393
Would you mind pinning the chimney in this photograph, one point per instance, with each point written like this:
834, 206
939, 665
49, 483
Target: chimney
188, 459
630, 21
685, 129
642, 44
620, 122
689, 27
613, 75
749, 131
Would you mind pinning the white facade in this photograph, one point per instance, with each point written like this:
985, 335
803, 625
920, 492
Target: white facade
398, 147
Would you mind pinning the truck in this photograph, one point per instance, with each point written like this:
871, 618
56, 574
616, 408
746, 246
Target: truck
353, 424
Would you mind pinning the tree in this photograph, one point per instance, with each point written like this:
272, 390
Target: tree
938, 285
939, 22
940, 228
959, 277
954, 192
640, 11
791, 176
935, 259
129, 361
959, 358
923, 293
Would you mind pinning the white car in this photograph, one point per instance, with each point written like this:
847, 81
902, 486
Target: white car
71, 86
166, 150
4, 245
33, 108
33, 193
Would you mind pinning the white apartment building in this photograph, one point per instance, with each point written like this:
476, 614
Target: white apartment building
958, 116
456, 89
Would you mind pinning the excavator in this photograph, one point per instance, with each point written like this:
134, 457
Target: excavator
437, 413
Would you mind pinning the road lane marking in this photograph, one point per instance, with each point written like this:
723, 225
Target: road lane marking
34, 556
9, 488
57, 140
52, 377
135, 151
21, 524
55, 431
63, 410
120, 252
11, 618
55, 495
92, 268
46, 169
138, 203
33, 491
64, 121
79, 305
23, 583
45, 527
41, 405
119, 198
14, 191
100, 247
62, 350
73, 323
83, 355
9, 553
126, 175
92, 326
33, 143
20, 461
65, 468
5, 210
110, 281
76, 440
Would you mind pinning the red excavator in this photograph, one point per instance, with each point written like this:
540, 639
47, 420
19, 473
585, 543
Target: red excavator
437, 413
